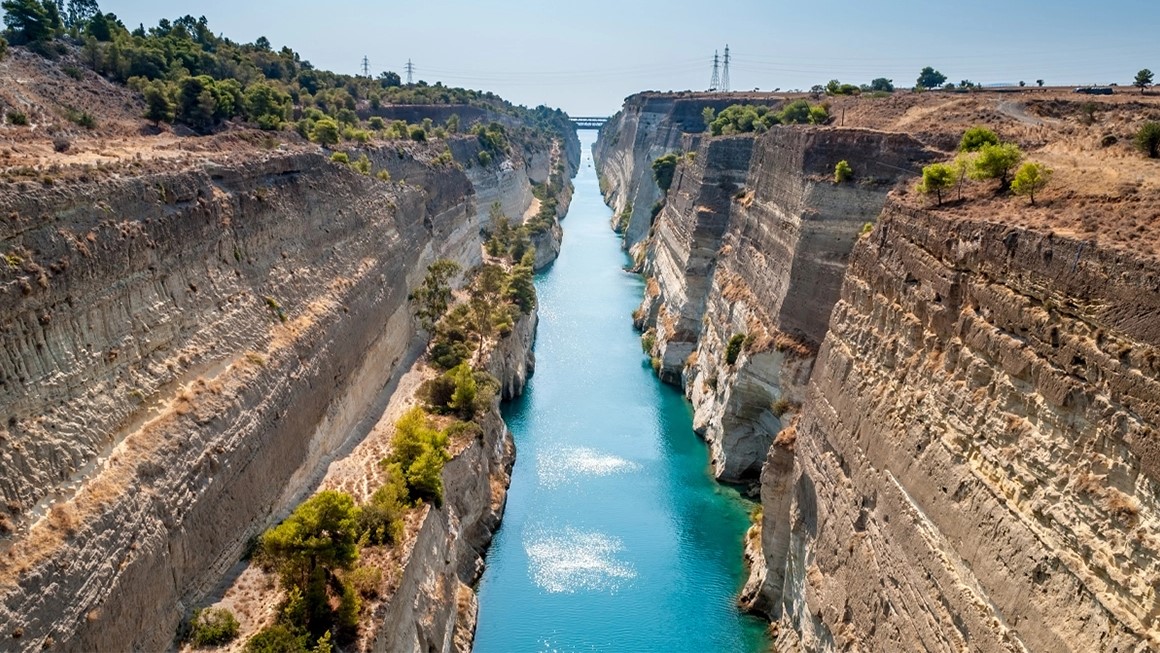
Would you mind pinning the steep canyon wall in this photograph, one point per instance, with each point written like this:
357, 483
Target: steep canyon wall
183, 353
954, 421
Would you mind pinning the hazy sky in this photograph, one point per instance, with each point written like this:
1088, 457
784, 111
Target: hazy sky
585, 57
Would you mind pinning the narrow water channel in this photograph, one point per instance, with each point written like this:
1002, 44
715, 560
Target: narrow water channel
615, 536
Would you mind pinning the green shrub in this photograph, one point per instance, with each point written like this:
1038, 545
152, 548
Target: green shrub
462, 401
325, 132
1030, 179
420, 452
17, 118
380, 521
83, 119
976, 137
340, 157
433, 296
663, 169
1148, 139
278, 639
366, 581
362, 165
376, 123
648, 341
484, 158
521, 290
936, 178
744, 118
996, 162
317, 540
212, 627
417, 134
3, 48
842, 171
733, 348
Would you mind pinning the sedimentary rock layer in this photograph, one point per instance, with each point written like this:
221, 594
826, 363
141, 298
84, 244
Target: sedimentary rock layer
975, 467
751, 245
955, 421
181, 356
649, 126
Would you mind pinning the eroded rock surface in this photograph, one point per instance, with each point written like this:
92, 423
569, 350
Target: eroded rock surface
182, 354
954, 419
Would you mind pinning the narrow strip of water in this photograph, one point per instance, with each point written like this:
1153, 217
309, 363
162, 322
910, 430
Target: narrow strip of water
615, 537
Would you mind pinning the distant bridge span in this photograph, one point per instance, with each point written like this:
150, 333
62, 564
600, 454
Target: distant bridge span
589, 122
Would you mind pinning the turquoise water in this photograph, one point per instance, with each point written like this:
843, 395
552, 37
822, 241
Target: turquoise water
615, 536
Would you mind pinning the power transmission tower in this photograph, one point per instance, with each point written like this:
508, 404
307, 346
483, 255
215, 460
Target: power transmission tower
410, 72
716, 80
725, 77
366, 66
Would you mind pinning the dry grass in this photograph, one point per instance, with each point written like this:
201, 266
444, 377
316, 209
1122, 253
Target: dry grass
787, 436
1102, 190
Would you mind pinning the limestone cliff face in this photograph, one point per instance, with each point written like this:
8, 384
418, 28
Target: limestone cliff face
180, 357
976, 464
649, 126
954, 422
751, 245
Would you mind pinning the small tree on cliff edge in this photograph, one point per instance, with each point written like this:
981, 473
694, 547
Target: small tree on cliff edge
1030, 179
936, 178
997, 162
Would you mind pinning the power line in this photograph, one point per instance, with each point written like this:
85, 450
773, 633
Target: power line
366, 66
410, 72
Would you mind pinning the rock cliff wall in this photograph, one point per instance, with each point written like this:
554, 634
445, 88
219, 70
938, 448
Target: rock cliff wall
182, 354
954, 421
751, 245
975, 466
649, 126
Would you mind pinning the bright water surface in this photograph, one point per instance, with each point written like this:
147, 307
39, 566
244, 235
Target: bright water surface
615, 536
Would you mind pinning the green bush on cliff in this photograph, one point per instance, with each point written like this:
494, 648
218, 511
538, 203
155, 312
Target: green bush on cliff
278, 638
520, 289
936, 178
663, 170
212, 627
420, 451
380, 521
974, 138
648, 341
743, 118
307, 550
996, 162
433, 296
733, 348
842, 171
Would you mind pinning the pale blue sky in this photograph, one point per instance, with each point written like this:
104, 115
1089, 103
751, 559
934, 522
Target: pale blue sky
586, 57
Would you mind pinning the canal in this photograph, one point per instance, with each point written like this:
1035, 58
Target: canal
615, 537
